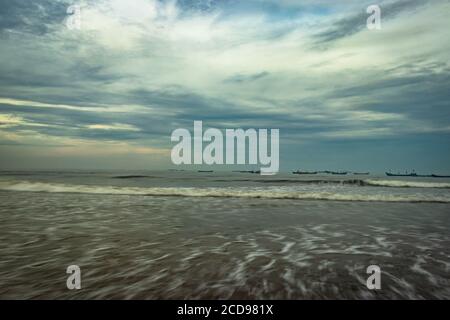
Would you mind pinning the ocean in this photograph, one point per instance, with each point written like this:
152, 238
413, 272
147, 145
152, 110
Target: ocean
222, 235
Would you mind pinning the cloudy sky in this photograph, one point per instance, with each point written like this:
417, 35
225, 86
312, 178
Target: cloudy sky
108, 95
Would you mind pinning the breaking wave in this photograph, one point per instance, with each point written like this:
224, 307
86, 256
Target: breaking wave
362, 183
407, 184
231, 192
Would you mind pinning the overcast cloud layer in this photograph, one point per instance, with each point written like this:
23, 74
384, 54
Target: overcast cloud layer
110, 94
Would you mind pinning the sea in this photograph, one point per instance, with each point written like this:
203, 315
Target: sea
222, 235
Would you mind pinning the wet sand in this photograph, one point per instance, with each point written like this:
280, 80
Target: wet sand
147, 247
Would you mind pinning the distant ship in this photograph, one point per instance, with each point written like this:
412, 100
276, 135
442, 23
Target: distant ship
412, 174
339, 173
439, 176
205, 171
304, 172
361, 173
248, 171
333, 172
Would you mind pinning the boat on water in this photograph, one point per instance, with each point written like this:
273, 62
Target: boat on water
361, 173
412, 174
339, 172
439, 176
248, 171
205, 171
333, 172
304, 172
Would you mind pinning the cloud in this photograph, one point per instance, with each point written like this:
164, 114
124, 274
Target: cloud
113, 126
138, 70
350, 25
244, 78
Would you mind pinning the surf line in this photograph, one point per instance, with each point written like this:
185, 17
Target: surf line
235, 147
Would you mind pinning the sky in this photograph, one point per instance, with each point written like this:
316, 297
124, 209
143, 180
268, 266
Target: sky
109, 94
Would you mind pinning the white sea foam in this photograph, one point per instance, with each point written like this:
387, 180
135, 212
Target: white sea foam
406, 184
265, 193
